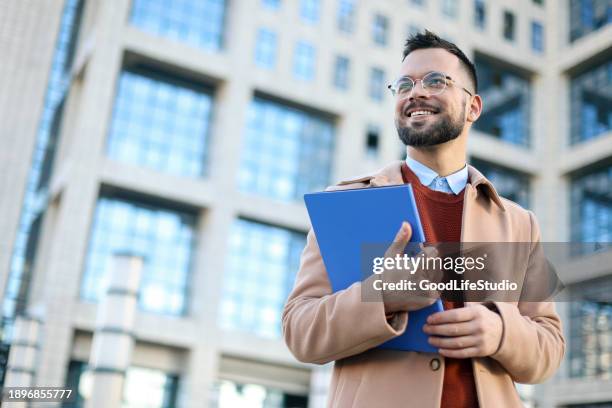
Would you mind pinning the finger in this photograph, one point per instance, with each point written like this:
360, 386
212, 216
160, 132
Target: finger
401, 240
454, 343
404, 234
460, 353
462, 314
451, 329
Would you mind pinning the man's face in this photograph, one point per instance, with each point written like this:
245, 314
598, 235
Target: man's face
449, 108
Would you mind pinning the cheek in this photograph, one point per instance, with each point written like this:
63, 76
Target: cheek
454, 109
398, 108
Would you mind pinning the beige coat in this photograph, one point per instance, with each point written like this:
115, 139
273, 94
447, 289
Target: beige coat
320, 326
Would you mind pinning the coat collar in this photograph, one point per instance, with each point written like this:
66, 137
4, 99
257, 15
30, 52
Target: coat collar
391, 174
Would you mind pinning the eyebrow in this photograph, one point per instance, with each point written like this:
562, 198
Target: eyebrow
429, 72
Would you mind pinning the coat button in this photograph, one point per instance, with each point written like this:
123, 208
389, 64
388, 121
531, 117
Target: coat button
434, 364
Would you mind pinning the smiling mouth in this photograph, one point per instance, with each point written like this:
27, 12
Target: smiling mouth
415, 113
420, 114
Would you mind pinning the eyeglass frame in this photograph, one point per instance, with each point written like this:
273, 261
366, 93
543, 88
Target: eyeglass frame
393, 90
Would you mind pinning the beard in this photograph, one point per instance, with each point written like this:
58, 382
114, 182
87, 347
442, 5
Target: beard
444, 130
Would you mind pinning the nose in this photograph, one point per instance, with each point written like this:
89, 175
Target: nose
417, 91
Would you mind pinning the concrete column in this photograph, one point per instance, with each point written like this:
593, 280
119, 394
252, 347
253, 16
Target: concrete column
113, 341
27, 40
21, 368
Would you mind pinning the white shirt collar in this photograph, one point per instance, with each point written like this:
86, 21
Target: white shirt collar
456, 181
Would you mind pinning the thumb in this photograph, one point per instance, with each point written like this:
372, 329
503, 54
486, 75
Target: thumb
401, 239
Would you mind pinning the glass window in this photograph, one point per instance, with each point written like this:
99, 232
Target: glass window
377, 84
509, 25
271, 4
450, 8
265, 49
537, 36
45, 168
196, 22
146, 387
230, 394
509, 184
341, 72
160, 123
18, 285
309, 10
480, 14
76, 369
587, 16
164, 237
346, 15
287, 151
590, 340
67, 40
507, 96
591, 101
591, 206
372, 141
143, 387
304, 61
260, 271
380, 27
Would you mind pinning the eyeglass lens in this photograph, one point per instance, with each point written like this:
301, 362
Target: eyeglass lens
433, 83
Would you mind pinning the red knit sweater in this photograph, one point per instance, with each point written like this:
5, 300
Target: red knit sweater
440, 215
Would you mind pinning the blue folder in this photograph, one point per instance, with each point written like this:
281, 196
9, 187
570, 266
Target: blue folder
346, 221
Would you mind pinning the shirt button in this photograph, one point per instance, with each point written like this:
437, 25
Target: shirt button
434, 364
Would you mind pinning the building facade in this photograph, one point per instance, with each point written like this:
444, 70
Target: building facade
186, 133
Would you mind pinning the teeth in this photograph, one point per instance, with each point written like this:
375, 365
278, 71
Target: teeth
421, 112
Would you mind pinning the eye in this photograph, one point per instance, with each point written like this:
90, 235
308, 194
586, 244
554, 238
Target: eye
435, 81
404, 86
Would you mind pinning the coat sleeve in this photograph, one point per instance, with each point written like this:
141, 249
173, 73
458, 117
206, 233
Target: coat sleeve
320, 326
532, 344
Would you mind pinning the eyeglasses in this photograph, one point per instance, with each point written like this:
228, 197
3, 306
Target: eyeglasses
434, 83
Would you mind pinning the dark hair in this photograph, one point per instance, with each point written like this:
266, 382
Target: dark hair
429, 39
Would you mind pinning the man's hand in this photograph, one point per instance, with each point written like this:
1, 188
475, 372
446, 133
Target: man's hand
470, 331
396, 301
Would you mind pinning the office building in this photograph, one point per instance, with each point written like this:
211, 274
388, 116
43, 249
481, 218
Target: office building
186, 132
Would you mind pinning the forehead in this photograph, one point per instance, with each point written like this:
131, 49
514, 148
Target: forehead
420, 62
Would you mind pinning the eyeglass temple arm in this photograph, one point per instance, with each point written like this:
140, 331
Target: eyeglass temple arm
455, 83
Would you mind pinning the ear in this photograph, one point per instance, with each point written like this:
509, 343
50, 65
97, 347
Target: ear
475, 108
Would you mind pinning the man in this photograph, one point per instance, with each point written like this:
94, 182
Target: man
483, 348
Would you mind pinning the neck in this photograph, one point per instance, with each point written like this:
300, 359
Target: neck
444, 159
